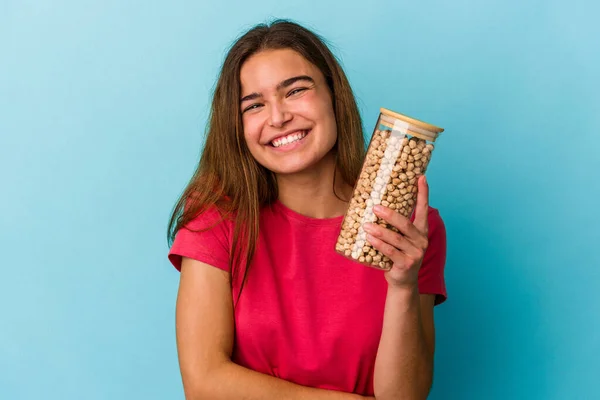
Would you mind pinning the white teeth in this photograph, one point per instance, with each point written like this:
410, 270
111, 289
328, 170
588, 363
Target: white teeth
288, 139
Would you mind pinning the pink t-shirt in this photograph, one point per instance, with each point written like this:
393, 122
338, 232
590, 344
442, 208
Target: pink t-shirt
307, 314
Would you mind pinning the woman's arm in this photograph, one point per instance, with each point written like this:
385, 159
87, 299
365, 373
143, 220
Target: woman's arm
404, 363
205, 330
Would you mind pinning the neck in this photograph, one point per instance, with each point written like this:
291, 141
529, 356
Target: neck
311, 192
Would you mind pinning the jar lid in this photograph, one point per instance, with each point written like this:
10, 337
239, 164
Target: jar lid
432, 129
396, 124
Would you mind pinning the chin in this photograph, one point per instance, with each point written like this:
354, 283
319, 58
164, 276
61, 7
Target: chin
296, 166
290, 169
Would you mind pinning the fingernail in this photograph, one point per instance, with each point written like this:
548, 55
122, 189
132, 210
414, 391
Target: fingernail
378, 209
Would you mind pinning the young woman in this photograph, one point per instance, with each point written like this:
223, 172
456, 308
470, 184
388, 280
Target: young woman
266, 308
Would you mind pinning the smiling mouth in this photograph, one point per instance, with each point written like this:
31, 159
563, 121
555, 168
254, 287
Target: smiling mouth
289, 139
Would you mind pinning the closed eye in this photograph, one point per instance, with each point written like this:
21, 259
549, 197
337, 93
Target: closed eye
252, 107
296, 91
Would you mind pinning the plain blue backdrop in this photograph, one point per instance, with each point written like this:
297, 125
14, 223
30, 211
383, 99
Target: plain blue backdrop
102, 112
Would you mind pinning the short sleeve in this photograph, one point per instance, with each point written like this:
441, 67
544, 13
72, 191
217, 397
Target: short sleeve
205, 238
431, 274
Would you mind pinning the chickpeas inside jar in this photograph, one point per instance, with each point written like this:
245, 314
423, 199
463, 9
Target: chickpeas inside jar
399, 152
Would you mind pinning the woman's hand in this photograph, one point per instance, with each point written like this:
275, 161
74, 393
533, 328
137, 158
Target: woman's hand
407, 248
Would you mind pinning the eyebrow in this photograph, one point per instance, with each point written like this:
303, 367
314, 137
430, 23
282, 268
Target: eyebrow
281, 85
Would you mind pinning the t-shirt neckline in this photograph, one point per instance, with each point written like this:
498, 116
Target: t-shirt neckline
332, 221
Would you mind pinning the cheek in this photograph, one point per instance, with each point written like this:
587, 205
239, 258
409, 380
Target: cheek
251, 131
323, 113
316, 108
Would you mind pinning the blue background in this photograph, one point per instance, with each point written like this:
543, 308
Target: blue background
102, 111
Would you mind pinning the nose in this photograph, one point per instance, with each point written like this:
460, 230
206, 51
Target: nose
279, 115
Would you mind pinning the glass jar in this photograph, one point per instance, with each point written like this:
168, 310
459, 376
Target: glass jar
399, 152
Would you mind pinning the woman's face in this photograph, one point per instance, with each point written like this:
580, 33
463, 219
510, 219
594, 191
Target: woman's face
287, 111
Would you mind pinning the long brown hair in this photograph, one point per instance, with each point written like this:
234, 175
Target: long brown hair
228, 176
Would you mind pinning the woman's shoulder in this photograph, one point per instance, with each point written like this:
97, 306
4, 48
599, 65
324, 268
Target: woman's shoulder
437, 228
208, 215
434, 217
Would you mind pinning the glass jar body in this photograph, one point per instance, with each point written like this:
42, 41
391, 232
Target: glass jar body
399, 152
